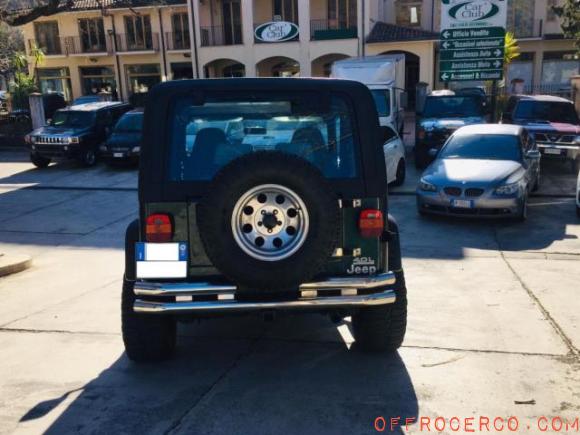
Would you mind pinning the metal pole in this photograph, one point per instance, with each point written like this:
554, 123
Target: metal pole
493, 100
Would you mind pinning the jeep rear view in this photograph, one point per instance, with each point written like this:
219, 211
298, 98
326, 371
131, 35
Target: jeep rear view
261, 195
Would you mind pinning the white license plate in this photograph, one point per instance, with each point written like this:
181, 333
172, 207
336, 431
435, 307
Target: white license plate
461, 203
118, 155
552, 151
161, 260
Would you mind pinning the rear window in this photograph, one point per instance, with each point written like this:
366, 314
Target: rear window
130, 124
206, 137
485, 147
452, 107
552, 111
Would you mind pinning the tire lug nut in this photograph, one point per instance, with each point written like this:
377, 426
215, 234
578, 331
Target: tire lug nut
279, 223
260, 223
275, 211
269, 231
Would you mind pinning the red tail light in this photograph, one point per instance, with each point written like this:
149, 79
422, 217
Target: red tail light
371, 223
159, 228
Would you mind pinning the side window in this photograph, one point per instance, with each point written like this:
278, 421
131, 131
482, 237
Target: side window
388, 134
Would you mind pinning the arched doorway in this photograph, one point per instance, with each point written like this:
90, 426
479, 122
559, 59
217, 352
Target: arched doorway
321, 66
412, 74
278, 66
224, 68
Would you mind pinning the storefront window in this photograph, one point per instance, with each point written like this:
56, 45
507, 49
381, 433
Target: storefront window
181, 70
98, 79
558, 67
522, 69
55, 80
143, 77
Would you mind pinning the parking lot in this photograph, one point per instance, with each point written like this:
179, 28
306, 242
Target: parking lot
493, 329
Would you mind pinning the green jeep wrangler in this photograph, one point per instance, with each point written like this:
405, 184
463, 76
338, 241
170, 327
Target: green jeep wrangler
261, 195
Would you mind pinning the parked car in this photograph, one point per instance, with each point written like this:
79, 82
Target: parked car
226, 228
86, 99
50, 102
440, 117
552, 120
124, 143
483, 170
74, 132
394, 151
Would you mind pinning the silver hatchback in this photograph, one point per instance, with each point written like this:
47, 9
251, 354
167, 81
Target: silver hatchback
485, 170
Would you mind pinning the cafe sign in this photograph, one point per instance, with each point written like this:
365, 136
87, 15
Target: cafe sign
276, 31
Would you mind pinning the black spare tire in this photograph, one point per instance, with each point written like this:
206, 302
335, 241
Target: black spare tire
269, 221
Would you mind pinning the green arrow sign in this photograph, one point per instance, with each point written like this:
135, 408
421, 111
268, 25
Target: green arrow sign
470, 75
485, 32
492, 53
473, 64
473, 44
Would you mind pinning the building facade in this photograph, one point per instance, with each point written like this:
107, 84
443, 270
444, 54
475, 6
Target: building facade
106, 45
121, 50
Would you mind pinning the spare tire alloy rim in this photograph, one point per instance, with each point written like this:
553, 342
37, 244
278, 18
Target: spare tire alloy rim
270, 222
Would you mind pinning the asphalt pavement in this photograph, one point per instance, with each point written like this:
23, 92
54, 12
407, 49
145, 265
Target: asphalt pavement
493, 332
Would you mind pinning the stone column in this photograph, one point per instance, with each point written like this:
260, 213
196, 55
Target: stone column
37, 110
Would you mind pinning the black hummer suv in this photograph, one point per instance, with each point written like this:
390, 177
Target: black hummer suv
75, 132
276, 201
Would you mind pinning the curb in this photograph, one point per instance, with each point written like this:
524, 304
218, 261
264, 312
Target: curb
10, 264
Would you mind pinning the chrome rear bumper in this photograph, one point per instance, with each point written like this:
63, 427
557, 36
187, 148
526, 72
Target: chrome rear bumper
332, 293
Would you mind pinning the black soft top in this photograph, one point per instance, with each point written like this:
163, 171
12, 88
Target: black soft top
153, 182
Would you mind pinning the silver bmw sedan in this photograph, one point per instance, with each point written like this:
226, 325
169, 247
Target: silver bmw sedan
483, 170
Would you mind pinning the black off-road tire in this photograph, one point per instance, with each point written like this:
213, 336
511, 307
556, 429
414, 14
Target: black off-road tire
88, 157
39, 161
382, 328
214, 215
147, 337
401, 173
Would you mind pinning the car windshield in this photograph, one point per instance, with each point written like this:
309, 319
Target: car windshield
382, 101
551, 111
206, 137
456, 107
484, 146
72, 118
130, 124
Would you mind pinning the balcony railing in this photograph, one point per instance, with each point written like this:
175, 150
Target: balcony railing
221, 35
49, 46
331, 29
177, 41
78, 45
150, 42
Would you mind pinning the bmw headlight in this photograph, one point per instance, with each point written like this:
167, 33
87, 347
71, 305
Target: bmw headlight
507, 189
577, 140
103, 148
427, 187
73, 139
136, 149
